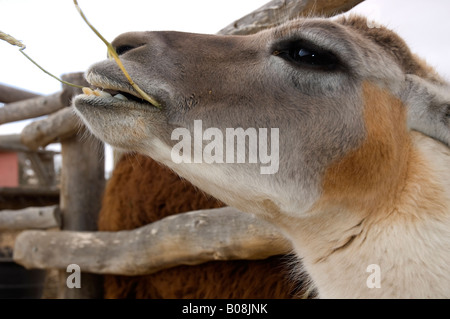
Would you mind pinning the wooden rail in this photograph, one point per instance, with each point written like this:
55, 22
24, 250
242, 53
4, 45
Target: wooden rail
277, 12
9, 94
30, 218
185, 239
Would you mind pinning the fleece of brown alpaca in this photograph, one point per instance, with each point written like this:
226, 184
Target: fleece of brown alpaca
140, 192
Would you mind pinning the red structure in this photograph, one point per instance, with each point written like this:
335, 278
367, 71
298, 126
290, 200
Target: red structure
9, 169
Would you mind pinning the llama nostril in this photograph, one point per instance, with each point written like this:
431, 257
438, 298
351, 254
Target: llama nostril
122, 49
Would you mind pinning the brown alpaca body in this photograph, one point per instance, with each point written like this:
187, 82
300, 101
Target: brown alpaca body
142, 191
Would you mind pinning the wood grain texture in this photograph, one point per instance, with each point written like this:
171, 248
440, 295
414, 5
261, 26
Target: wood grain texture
184, 239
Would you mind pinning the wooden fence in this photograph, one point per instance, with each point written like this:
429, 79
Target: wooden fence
191, 238
82, 174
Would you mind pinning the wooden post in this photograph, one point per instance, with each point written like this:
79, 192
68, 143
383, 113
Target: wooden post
82, 184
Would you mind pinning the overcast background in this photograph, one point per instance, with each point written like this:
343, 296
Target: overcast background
61, 42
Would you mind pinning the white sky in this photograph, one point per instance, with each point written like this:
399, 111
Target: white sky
58, 39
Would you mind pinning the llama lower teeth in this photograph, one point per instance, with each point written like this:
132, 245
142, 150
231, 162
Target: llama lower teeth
90, 92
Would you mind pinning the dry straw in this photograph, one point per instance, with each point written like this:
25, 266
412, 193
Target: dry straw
111, 53
13, 41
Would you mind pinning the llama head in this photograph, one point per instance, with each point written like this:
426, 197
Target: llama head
337, 99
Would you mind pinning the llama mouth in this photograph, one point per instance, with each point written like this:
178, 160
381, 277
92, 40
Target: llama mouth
104, 90
108, 93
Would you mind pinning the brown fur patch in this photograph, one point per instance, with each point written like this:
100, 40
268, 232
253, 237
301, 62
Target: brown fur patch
140, 192
377, 169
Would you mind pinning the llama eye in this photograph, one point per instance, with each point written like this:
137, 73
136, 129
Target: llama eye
304, 56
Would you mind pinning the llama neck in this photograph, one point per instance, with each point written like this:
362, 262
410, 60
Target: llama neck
399, 249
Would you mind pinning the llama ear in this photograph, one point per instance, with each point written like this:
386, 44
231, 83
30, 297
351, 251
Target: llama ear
428, 107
